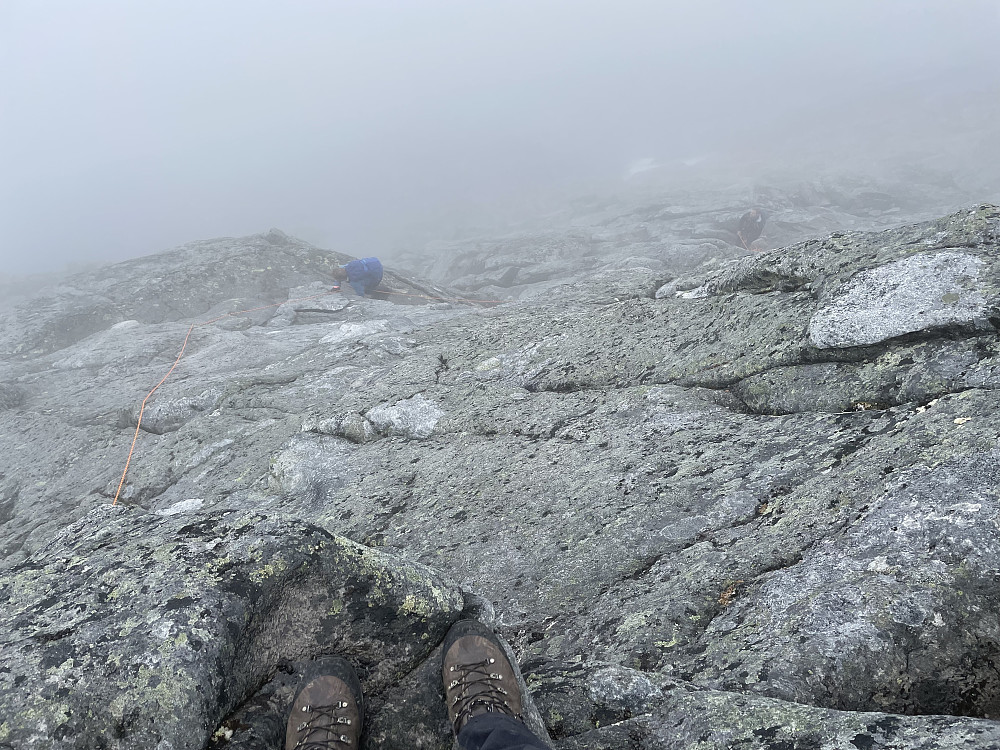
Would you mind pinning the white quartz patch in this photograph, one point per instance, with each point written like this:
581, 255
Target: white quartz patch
184, 506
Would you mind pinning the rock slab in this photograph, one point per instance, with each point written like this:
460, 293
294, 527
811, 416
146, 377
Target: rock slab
133, 630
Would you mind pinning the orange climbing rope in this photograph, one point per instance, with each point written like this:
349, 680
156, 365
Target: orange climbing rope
187, 337
180, 354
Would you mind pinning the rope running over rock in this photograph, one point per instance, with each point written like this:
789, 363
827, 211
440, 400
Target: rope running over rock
187, 337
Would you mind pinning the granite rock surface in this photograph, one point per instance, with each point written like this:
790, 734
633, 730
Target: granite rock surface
748, 503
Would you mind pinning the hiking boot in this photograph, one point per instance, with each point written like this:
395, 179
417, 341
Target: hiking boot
328, 710
478, 676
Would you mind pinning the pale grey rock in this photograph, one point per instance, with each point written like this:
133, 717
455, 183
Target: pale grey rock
616, 688
917, 293
415, 417
184, 506
633, 487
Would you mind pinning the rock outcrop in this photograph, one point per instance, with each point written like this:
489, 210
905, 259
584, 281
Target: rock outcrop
146, 630
673, 227
753, 506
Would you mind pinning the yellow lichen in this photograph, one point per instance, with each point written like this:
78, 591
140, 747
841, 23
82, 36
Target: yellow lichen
414, 605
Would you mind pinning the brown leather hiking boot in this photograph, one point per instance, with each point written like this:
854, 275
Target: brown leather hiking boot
478, 677
328, 711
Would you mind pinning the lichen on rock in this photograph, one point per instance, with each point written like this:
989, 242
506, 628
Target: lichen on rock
760, 515
133, 629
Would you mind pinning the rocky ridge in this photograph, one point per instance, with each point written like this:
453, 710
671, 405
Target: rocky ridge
749, 503
674, 221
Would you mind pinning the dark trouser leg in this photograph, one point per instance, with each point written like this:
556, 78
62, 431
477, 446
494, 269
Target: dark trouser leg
498, 732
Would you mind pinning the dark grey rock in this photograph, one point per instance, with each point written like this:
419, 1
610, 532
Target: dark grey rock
10, 396
133, 630
683, 715
576, 698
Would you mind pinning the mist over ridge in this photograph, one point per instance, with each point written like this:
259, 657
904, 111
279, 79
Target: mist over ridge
375, 128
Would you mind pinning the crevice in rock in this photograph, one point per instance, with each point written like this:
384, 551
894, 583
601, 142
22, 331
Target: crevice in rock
809, 355
644, 567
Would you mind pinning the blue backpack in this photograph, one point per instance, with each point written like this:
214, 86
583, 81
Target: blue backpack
364, 275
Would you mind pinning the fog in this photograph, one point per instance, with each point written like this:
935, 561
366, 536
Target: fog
128, 127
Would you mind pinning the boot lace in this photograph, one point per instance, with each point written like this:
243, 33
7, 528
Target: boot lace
477, 686
323, 727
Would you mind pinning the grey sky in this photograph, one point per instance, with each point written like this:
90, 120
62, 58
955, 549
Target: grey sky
128, 127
